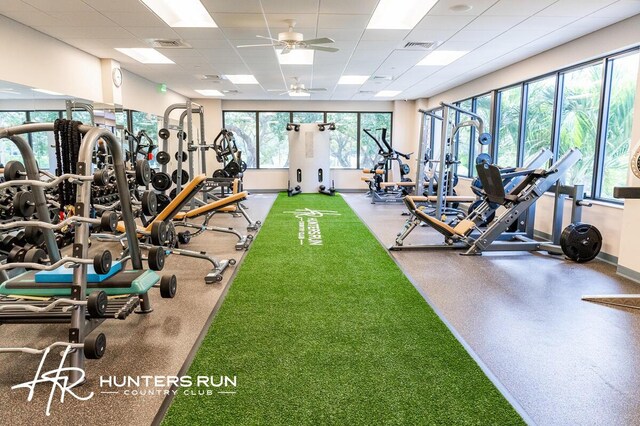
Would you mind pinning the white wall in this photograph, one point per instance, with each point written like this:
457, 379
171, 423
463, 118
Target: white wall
143, 95
614, 38
37, 60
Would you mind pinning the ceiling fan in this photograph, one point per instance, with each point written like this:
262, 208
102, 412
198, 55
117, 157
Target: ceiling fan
291, 40
298, 88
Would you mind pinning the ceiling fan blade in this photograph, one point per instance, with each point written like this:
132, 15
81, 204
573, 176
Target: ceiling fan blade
257, 45
283, 93
322, 40
286, 50
322, 48
267, 38
319, 89
274, 90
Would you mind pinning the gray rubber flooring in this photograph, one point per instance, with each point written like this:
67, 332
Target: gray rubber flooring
154, 344
565, 361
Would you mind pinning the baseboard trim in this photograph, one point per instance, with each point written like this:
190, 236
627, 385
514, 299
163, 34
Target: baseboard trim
605, 257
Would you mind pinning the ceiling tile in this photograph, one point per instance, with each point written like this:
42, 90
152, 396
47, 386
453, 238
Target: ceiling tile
570, 7
59, 5
290, 6
496, 23
232, 6
384, 35
135, 19
443, 7
328, 21
518, 7
200, 33
365, 7
239, 20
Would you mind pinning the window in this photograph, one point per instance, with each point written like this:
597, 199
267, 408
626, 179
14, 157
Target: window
308, 117
578, 124
464, 139
483, 109
508, 130
623, 77
243, 125
148, 123
538, 122
368, 147
274, 139
344, 140
82, 116
41, 141
8, 151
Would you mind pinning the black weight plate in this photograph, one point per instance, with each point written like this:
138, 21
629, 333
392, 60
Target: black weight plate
164, 133
35, 255
163, 201
143, 172
243, 166
156, 258
14, 170
24, 204
581, 242
108, 221
220, 173
483, 158
168, 286
163, 157
158, 233
184, 156
149, 203
173, 193
101, 177
161, 181
489, 218
16, 255
184, 175
102, 262
34, 235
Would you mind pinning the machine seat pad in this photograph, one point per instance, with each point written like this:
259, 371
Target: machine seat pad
216, 205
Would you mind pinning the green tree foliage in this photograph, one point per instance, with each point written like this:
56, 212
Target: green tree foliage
344, 139
8, 150
274, 139
619, 122
508, 126
539, 120
243, 126
308, 117
368, 148
464, 140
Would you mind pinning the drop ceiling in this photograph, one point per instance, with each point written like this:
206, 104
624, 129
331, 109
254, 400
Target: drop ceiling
496, 32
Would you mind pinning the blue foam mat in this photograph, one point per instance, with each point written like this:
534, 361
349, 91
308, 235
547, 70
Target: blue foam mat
65, 275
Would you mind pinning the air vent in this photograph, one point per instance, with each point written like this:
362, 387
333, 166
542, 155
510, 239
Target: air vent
231, 92
382, 78
421, 45
211, 78
365, 92
169, 44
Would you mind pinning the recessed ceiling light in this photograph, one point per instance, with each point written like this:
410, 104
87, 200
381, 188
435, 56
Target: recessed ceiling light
145, 55
181, 14
210, 92
388, 93
295, 57
299, 94
353, 79
242, 79
399, 15
461, 8
47, 92
442, 57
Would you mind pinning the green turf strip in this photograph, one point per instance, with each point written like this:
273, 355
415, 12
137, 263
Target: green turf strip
332, 334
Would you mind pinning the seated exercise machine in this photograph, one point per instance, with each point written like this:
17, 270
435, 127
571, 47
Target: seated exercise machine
66, 289
517, 190
382, 188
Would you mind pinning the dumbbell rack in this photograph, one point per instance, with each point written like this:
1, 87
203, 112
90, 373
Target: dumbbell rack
79, 326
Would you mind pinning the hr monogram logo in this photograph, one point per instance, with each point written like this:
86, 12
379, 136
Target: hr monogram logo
58, 378
308, 225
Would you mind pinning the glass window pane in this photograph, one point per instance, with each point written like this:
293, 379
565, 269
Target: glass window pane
619, 121
8, 151
507, 134
464, 140
579, 109
83, 116
308, 117
344, 139
538, 123
41, 141
243, 126
483, 109
274, 139
148, 123
368, 147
